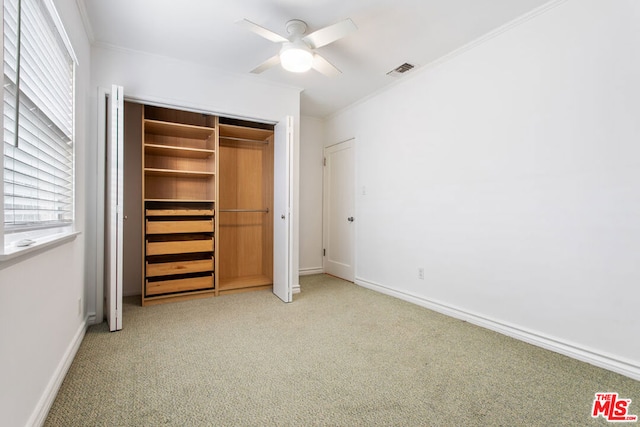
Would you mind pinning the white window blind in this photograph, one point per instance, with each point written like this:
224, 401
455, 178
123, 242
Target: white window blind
38, 118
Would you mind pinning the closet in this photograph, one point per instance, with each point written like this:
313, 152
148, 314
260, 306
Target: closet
207, 196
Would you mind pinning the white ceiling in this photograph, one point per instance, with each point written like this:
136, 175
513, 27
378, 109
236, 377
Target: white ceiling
390, 32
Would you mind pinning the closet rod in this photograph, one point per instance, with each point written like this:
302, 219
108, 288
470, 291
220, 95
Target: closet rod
245, 210
233, 138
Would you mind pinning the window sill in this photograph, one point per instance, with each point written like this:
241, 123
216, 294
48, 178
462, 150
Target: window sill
15, 252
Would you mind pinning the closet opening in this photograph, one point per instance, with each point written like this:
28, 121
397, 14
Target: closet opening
198, 204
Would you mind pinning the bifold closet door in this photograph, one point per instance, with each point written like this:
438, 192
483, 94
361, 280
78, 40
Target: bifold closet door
115, 202
245, 214
283, 274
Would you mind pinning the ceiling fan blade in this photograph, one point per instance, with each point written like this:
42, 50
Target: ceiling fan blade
261, 31
325, 67
271, 62
330, 34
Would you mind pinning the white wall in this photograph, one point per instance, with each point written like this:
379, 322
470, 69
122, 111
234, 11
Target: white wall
510, 173
39, 318
172, 82
311, 152
179, 83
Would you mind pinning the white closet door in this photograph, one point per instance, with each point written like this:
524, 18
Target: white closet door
115, 177
282, 204
339, 208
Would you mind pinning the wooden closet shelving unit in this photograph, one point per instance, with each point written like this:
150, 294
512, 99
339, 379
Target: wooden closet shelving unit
207, 205
179, 192
245, 208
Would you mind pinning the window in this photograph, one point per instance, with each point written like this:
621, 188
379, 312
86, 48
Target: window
38, 122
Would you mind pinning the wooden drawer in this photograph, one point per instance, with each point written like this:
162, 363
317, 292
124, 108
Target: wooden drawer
179, 267
179, 247
167, 227
178, 285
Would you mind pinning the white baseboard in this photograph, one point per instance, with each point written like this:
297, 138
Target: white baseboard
41, 410
310, 271
575, 351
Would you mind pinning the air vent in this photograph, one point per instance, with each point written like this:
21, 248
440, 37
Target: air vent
401, 69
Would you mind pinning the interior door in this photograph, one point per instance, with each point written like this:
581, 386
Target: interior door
339, 230
282, 206
115, 196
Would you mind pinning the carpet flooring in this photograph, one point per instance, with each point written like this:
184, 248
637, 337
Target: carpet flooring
339, 355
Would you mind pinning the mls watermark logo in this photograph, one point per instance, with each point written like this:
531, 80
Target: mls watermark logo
612, 408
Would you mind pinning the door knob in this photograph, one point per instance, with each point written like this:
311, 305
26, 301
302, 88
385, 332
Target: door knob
350, 219
282, 216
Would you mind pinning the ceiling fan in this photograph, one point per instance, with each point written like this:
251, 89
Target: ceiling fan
297, 53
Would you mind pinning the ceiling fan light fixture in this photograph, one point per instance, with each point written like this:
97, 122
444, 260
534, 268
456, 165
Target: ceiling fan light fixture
297, 53
296, 57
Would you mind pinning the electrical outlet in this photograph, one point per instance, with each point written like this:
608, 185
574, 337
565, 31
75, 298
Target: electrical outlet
421, 273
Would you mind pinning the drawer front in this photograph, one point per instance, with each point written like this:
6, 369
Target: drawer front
179, 267
179, 285
166, 227
179, 247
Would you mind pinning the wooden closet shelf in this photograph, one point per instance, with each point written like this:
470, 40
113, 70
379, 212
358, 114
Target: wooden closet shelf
177, 129
178, 173
169, 150
253, 141
179, 212
233, 131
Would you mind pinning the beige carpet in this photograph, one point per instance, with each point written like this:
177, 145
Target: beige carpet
339, 355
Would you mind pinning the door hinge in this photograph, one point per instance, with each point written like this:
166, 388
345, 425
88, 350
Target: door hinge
324, 252
324, 161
